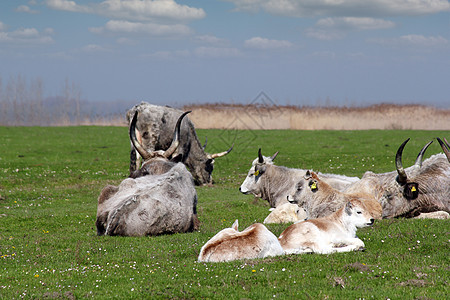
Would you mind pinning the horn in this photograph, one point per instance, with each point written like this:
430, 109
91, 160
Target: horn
220, 154
206, 142
398, 164
176, 137
445, 147
260, 157
421, 153
273, 156
144, 153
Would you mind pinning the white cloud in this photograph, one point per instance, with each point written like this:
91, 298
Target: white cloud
26, 9
266, 44
217, 52
133, 10
356, 8
338, 27
413, 40
324, 34
25, 36
167, 55
148, 29
353, 23
92, 48
212, 40
67, 5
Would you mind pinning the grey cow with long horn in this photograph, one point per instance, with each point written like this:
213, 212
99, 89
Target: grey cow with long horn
159, 198
155, 123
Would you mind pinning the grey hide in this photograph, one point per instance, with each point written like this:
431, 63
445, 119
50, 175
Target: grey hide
149, 205
159, 198
421, 188
156, 123
275, 183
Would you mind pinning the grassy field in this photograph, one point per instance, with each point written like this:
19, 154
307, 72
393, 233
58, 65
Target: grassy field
50, 179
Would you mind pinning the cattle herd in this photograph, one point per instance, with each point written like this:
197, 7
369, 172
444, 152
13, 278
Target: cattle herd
159, 196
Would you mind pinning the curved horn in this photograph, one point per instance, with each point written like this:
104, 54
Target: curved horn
206, 142
215, 155
398, 164
273, 156
445, 147
421, 153
144, 153
260, 157
176, 137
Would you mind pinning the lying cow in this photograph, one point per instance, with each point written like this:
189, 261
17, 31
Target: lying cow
421, 188
256, 241
155, 124
159, 198
333, 233
285, 213
275, 183
319, 199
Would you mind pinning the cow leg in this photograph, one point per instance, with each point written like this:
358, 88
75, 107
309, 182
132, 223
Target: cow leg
348, 245
442, 215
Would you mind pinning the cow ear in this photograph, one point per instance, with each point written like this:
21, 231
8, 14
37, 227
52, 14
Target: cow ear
348, 208
313, 186
235, 225
411, 190
307, 175
259, 170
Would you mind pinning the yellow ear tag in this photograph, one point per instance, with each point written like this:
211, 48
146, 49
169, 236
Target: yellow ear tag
413, 189
256, 173
313, 186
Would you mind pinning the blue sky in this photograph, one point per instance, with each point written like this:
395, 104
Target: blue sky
311, 52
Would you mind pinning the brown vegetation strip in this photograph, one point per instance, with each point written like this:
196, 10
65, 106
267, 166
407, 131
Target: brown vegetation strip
381, 116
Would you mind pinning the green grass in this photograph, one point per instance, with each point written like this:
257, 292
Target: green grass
50, 179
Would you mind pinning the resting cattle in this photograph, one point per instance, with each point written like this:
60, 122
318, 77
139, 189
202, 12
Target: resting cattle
274, 183
319, 199
333, 233
159, 198
285, 213
256, 241
155, 124
421, 188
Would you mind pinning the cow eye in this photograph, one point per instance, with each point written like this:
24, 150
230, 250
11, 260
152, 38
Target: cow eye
359, 212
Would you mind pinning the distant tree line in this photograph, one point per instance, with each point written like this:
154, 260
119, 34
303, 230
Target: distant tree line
23, 103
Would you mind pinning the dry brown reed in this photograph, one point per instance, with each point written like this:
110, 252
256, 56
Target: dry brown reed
380, 116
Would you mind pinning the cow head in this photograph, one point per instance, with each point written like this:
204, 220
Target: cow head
251, 184
204, 166
357, 214
306, 188
406, 195
155, 162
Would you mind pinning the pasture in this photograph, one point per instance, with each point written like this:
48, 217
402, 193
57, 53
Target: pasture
50, 179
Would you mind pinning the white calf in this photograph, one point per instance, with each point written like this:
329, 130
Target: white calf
256, 241
333, 233
285, 213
